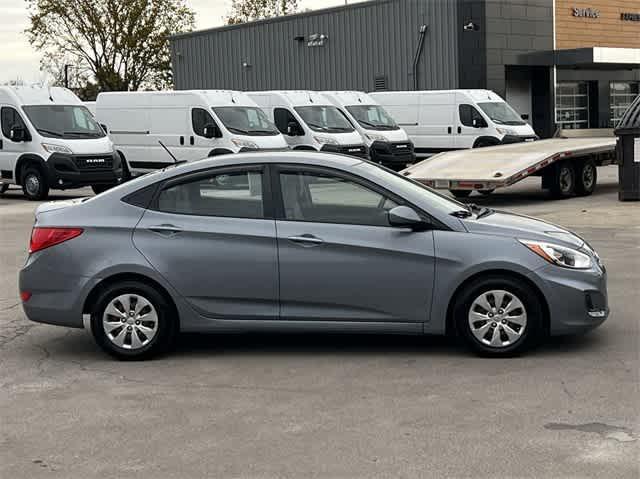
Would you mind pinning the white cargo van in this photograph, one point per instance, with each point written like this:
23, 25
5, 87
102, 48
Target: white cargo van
446, 120
309, 121
191, 124
48, 139
388, 144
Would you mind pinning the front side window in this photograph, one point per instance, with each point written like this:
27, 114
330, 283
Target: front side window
468, 114
326, 119
10, 118
325, 198
245, 120
63, 121
501, 113
282, 118
372, 117
236, 194
200, 118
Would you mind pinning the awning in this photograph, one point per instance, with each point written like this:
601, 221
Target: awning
587, 58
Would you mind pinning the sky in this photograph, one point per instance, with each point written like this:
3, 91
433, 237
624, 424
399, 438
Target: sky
20, 61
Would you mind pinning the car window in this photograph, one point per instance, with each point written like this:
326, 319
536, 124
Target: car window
235, 194
468, 113
201, 118
11, 118
325, 198
282, 117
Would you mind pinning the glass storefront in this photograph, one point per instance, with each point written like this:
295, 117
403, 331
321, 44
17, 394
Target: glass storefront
622, 95
572, 105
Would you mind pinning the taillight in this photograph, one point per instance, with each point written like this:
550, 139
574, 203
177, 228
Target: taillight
42, 238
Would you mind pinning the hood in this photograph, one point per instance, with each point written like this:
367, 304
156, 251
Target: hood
392, 136
269, 142
522, 227
92, 146
351, 138
518, 130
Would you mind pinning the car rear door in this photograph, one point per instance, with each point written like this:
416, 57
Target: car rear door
340, 260
212, 236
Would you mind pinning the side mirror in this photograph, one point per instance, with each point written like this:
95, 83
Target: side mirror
405, 217
212, 131
104, 128
17, 134
293, 129
524, 116
479, 123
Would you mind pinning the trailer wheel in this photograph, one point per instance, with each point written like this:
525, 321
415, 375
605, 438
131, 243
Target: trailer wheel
586, 178
460, 193
3, 188
563, 181
486, 192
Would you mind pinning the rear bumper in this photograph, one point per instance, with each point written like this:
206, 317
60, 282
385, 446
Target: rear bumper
67, 171
392, 153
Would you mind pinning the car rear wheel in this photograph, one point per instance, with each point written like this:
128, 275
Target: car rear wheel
34, 185
586, 178
498, 317
133, 321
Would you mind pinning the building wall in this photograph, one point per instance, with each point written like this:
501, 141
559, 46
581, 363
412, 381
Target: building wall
365, 41
608, 30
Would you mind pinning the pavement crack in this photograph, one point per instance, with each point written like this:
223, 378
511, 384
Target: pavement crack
606, 431
566, 390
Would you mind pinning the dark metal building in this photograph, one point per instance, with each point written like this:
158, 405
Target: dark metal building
508, 46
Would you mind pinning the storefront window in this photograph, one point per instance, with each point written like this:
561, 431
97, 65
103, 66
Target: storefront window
572, 105
622, 95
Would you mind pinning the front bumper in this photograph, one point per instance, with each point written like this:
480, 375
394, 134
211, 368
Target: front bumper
74, 171
359, 151
577, 299
393, 154
509, 139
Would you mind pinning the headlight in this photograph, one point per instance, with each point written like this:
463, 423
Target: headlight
374, 137
49, 148
559, 255
325, 140
507, 131
244, 143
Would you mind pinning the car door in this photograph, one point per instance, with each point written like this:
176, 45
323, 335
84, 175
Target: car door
10, 150
340, 260
212, 236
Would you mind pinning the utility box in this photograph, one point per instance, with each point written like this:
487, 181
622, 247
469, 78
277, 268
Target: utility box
628, 152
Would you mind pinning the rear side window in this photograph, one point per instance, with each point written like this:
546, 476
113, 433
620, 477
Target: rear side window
201, 118
468, 113
236, 194
282, 117
10, 118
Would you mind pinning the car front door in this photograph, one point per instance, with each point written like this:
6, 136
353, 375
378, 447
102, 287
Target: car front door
340, 260
212, 236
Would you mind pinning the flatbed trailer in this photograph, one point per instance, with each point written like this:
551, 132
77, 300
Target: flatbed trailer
566, 163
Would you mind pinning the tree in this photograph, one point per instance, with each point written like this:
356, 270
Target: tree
118, 45
249, 10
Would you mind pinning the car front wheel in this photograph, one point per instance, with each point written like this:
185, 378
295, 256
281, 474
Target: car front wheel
498, 316
133, 321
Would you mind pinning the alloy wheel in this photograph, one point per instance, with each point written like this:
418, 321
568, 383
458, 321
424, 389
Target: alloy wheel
497, 318
130, 321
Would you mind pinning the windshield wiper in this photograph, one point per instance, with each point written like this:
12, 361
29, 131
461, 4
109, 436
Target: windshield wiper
461, 213
240, 131
50, 132
315, 125
86, 134
480, 211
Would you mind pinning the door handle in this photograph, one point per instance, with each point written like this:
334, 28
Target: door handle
449, 130
181, 140
306, 239
191, 140
459, 129
169, 230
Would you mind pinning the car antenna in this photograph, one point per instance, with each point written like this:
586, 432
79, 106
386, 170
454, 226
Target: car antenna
175, 160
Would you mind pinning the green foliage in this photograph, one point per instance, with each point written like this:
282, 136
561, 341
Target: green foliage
249, 10
118, 45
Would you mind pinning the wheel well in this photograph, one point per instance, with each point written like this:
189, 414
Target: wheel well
305, 148
450, 325
219, 151
102, 285
26, 161
486, 140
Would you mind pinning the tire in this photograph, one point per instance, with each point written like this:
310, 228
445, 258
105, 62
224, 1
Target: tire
486, 192
471, 319
126, 174
155, 335
34, 185
97, 189
563, 180
460, 193
586, 177
3, 188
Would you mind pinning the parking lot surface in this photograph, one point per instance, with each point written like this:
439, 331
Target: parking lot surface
327, 405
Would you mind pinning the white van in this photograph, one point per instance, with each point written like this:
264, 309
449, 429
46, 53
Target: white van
388, 144
309, 121
191, 124
48, 139
454, 119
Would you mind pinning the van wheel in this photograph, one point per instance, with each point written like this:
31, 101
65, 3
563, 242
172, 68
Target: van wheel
133, 321
460, 193
563, 180
34, 185
586, 178
498, 317
3, 188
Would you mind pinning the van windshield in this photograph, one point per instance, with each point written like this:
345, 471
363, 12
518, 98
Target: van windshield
327, 119
63, 121
501, 113
372, 117
246, 120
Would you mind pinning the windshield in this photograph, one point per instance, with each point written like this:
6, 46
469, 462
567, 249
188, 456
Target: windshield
62, 121
372, 117
402, 184
246, 120
501, 113
324, 118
